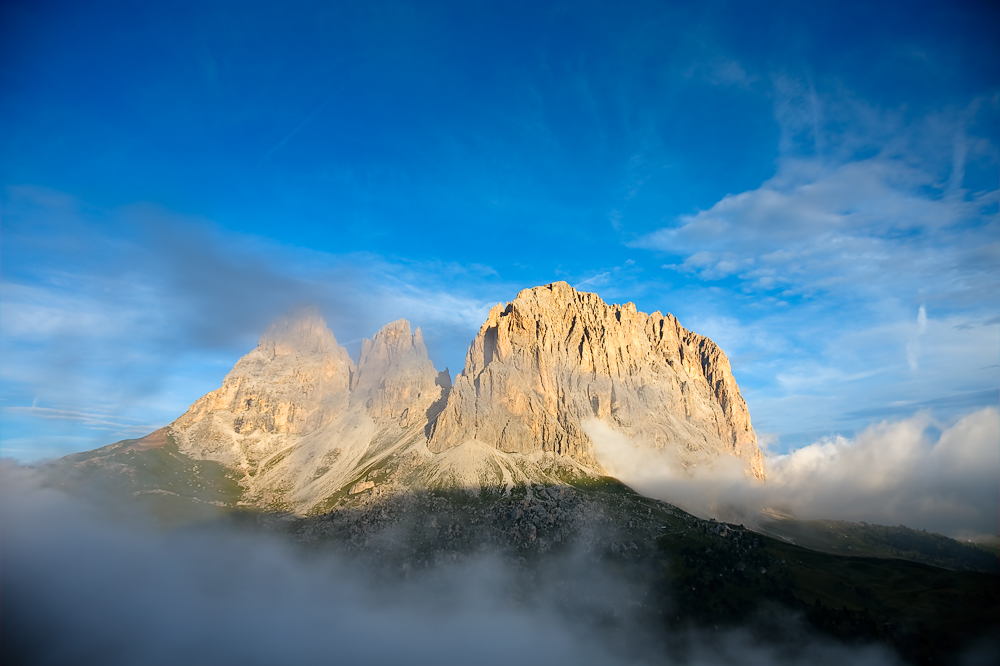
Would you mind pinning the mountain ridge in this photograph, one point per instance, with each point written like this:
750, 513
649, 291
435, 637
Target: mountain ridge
385, 461
297, 426
302, 423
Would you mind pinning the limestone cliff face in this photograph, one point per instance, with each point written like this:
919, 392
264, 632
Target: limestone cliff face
295, 381
299, 422
395, 379
555, 357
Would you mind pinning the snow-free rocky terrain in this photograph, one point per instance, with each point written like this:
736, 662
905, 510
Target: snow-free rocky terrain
299, 424
390, 461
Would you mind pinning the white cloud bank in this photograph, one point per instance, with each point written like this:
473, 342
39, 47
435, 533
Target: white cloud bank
891, 473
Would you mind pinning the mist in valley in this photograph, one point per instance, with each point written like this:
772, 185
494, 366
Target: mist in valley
81, 588
810, 186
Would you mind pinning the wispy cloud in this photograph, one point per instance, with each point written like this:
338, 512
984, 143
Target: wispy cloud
878, 207
156, 313
850, 228
863, 271
913, 347
93, 420
722, 71
308, 119
894, 472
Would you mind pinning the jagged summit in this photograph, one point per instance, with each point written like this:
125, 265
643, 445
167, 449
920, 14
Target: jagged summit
394, 375
301, 424
301, 331
295, 379
555, 357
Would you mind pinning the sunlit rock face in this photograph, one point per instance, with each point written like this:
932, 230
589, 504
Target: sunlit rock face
299, 423
296, 379
555, 357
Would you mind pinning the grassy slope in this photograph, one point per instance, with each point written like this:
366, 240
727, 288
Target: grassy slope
723, 574
690, 570
925, 612
175, 488
845, 538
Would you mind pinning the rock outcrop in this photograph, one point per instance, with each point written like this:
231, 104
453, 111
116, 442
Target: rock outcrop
554, 357
300, 424
297, 380
395, 379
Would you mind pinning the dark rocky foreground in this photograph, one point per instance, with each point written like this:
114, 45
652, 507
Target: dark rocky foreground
669, 570
610, 560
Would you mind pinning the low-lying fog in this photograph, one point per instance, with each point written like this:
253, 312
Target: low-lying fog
892, 473
78, 589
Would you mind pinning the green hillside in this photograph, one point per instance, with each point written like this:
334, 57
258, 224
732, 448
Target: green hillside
142, 477
862, 539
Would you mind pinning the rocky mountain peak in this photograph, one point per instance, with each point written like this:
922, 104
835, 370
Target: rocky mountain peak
554, 358
395, 379
302, 332
301, 423
295, 379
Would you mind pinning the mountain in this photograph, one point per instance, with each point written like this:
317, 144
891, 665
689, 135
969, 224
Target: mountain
298, 422
841, 537
555, 357
386, 462
301, 425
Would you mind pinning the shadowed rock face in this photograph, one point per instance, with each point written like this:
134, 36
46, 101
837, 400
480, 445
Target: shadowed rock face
555, 357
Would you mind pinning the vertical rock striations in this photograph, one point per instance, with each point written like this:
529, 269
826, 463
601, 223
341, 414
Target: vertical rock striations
555, 357
395, 379
300, 424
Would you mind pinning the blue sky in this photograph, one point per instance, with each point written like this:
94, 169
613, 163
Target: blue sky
814, 185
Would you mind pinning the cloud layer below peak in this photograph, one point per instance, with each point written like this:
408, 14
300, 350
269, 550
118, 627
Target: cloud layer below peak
913, 472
